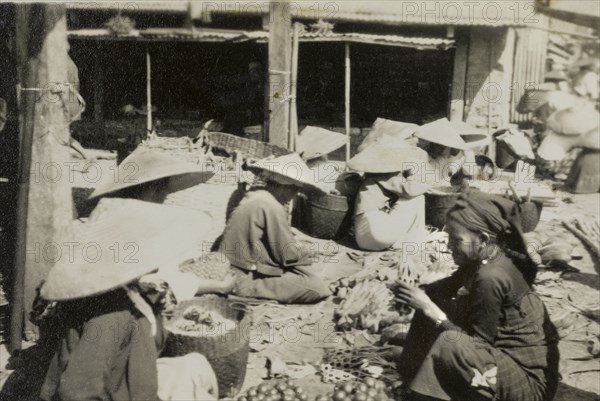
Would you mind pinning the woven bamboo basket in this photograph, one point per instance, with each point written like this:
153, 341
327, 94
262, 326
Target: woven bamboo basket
436, 206
226, 350
325, 215
249, 148
530, 215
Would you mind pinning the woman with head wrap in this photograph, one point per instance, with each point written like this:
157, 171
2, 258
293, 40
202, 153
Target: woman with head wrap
481, 333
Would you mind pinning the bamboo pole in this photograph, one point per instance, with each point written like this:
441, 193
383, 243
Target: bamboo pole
347, 99
294, 86
148, 91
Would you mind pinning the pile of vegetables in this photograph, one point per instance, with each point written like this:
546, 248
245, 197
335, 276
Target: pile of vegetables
279, 390
196, 319
368, 389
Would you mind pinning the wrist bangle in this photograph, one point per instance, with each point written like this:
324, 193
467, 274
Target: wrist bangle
441, 319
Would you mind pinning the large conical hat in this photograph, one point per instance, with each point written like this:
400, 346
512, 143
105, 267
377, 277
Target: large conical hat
287, 170
383, 128
314, 142
146, 166
388, 156
534, 98
441, 132
129, 239
574, 120
473, 137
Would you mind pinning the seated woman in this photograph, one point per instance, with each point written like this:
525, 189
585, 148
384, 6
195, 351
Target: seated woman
496, 340
258, 239
446, 150
108, 331
389, 206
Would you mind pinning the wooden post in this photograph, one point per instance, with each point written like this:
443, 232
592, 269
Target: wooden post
294, 87
459, 78
347, 99
148, 92
45, 204
99, 99
279, 73
99, 91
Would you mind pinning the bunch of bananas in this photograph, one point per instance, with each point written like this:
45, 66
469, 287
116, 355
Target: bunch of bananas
369, 305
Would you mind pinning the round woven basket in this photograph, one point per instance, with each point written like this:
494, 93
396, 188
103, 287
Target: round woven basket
436, 206
530, 215
325, 215
226, 350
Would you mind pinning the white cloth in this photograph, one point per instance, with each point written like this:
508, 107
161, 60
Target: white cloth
188, 377
377, 230
587, 85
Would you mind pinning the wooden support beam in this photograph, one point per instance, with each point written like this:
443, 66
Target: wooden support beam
294, 85
45, 205
99, 91
148, 92
459, 79
280, 51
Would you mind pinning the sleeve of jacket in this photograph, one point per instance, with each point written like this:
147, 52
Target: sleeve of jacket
90, 362
282, 244
141, 370
486, 296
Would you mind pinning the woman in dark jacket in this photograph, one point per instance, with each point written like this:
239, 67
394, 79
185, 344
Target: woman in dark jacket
482, 333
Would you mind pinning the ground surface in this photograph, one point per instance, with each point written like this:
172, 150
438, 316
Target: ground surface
299, 336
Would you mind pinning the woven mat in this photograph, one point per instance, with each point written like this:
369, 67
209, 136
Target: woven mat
211, 265
208, 198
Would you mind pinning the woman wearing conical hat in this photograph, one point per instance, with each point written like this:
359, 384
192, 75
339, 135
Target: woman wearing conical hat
258, 240
150, 176
390, 206
108, 332
447, 152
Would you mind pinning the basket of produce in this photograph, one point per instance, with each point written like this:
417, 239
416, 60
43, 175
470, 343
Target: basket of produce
325, 215
217, 329
437, 205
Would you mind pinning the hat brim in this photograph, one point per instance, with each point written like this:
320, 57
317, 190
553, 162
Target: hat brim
385, 129
443, 133
287, 170
125, 240
314, 142
388, 157
144, 167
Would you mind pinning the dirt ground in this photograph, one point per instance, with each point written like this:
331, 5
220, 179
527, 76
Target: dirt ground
294, 339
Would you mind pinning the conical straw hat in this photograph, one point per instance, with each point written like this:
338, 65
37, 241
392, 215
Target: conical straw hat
574, 121
473, 137
442, 133
129, 239
388, 156
315, 142
147, 166
383, 128
287, 170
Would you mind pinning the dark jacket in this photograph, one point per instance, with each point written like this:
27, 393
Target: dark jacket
107, 352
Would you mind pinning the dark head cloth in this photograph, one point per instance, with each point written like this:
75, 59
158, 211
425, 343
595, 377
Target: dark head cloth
498, 217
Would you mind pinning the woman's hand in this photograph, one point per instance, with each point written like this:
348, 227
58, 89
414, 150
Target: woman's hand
418, 300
